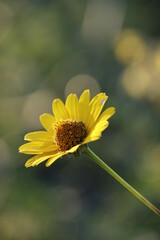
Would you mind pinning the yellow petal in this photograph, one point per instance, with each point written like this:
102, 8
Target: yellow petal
92, 138
31, 148
95, 108
39, 136
54, 158
35, 160
96, 132
85, 97
84, 106
101, 125
47, 120
72, 106
41, 159
109, 112
84, 113
59, 110
73, 149
30, 161
97, 104
37, 148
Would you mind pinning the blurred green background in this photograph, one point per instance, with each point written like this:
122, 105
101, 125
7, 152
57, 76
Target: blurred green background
49, 48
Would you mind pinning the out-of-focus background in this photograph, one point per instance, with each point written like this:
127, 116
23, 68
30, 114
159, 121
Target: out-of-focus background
49, 48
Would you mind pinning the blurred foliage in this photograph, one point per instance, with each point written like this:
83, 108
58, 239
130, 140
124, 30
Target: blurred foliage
49, 49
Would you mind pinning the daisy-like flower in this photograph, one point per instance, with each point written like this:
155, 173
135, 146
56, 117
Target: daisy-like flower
75, 123
70, 128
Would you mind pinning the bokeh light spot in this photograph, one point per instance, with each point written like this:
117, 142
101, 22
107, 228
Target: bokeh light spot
36, 104
130, 47
81, 82
136, 81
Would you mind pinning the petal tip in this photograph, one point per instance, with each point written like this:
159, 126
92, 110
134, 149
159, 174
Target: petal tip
20, 150
114, 110
42, 115
27, 165
47, 164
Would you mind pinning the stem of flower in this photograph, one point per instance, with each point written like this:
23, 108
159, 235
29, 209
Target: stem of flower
97, 160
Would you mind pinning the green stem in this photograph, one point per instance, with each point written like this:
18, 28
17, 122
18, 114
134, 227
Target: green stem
97, 160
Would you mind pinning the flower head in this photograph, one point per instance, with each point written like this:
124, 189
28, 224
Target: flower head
72, 124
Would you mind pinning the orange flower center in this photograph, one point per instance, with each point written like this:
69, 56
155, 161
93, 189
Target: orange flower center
69, 134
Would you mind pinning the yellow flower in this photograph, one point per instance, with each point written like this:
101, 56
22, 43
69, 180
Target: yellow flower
72, 124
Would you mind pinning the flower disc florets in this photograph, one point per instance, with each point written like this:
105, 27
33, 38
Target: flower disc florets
69, 133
